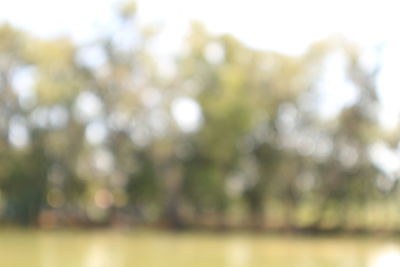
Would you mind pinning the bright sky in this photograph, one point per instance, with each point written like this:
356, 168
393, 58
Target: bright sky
288, 26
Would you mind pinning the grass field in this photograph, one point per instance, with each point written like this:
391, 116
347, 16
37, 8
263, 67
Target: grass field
20, 248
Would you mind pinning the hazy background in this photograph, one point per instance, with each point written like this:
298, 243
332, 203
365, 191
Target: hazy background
122, 119
284, 26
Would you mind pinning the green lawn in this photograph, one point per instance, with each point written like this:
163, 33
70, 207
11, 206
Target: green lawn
147, 249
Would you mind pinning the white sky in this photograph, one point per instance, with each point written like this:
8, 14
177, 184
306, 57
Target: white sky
288, 26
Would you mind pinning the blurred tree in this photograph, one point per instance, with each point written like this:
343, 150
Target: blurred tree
93, 131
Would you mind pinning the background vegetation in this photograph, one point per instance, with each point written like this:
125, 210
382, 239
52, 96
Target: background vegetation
228, 137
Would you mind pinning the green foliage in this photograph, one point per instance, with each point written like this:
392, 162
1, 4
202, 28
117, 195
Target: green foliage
251, 155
